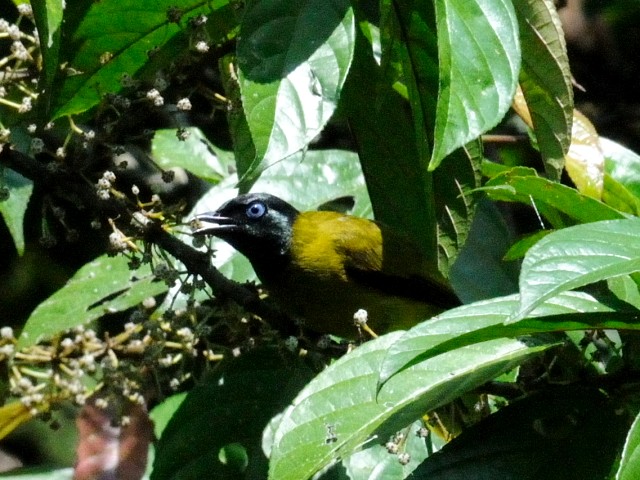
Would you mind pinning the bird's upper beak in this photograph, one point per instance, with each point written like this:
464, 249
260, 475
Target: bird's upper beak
212, 223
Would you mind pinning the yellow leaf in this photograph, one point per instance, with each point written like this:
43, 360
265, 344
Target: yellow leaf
12, 416
585, 160
520, 106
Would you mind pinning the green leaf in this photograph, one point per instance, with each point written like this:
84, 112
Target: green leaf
439, 210
326, 419
195, 154
436, 53
319, 176
243, 146
328, 403
514, 186
376, 463
492, 169
552, 435
577, 256
545, 79
629, 468
388, 151
223, 417
453, 183
41, 473
479, 61
622, 164
519, 249
115, 38
482, 257
564, 313
626, 289
161, 414
410, 52
475, 323
105, 285
616, 195
293, 59
435, 382
48, 16
14, 208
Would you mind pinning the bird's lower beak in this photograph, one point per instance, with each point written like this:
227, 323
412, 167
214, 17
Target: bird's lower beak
211, 223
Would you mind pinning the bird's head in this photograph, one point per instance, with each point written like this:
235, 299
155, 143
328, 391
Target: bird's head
258, 225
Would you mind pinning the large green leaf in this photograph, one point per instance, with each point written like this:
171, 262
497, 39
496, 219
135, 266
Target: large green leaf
545, 79
552, 435
318, 176
437, 381
482, 321
523, 185
293, 59
342, 400
577, 256
105, 285
437, 209
331, 415
410, 52
629, 468
445, 61
388, 151
115, 38
377, 463
479, 61
216, 431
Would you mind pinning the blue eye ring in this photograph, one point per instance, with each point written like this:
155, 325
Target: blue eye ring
256, 210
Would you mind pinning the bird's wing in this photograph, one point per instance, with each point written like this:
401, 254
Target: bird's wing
377, 257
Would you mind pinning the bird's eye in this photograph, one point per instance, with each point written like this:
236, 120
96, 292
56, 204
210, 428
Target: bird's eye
256, 210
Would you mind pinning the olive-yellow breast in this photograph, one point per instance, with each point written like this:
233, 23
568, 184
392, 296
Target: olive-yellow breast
324, 266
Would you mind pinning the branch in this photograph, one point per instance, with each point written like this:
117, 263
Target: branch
64, 182
198, 263
25, 165
57, 179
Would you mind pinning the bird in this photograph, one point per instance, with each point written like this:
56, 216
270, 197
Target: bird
324, 266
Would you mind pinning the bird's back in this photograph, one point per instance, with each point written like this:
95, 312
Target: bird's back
340, 264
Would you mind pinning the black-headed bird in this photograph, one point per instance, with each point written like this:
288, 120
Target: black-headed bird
323, 266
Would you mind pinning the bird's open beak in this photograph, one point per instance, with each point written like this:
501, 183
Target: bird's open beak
212, 224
